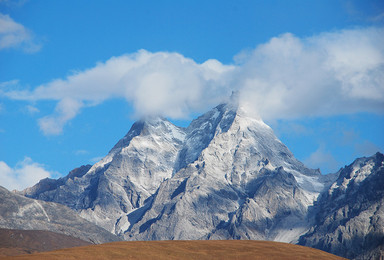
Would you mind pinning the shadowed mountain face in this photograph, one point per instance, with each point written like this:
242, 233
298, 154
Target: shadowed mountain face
18, 242
350, 214
226, 176
19, 212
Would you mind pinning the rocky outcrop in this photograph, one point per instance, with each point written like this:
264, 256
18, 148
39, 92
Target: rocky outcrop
123, 180
350, 215
19, 212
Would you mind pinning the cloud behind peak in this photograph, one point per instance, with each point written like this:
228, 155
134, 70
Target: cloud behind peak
331, 73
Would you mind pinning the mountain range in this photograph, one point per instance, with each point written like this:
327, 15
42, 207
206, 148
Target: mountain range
225, 176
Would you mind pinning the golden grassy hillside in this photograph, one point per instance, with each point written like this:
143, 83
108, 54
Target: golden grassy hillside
219, 249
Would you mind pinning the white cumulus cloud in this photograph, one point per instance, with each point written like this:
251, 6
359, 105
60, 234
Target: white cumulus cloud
161, 83
327, 74
332, 73
25, 174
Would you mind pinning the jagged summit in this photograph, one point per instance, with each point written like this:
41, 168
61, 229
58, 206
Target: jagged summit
150, 125
219, 120
202, 130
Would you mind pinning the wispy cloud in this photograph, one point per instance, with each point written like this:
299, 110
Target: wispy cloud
15, 35
7, 84
13, 3
65, 110
81, 152
32, 109
26, 173
290, 128
287, 77
366, 147
369, 11
359, 145
323, 158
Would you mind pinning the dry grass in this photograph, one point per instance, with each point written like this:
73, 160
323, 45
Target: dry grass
219, 249
17, 242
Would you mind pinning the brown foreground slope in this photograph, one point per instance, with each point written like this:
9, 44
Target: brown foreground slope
17, 242
219, 249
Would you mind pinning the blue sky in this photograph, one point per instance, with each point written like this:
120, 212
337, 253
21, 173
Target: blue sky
74, 75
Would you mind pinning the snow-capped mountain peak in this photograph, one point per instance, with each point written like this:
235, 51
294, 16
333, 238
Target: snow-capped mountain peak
151, 126
357, 172
225, 153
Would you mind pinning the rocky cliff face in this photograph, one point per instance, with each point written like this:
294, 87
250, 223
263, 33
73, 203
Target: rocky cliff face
54, 190
350, 215
233, 180
19, 212
123, 180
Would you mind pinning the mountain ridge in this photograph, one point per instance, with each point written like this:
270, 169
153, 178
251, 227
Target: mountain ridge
225, 176
19, 212
349, 218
